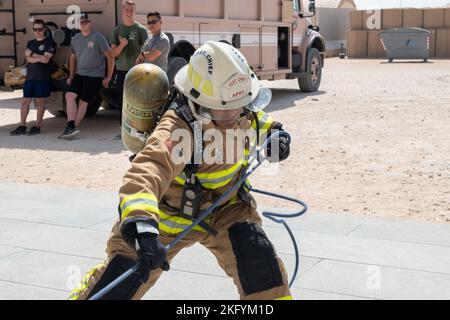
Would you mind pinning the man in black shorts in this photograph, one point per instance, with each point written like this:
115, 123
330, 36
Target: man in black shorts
89, 49
38, 82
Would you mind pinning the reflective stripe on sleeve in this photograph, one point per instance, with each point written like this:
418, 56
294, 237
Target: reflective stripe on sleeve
138, 201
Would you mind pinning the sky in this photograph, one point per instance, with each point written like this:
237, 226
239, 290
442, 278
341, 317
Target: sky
367, 4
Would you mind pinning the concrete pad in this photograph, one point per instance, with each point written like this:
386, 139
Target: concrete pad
57, 239
57, 214
46, 270
104, 226
8, 251
17, 291
375, 282
319, 222
60, 195
198, 259
403, 255
305, 294
404, 230
190, 286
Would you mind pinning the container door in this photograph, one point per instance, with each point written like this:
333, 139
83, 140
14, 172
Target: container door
251, 45
299, 25
269, 43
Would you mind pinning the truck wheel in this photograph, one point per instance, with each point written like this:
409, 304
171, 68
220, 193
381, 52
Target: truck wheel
311, 81
175, 64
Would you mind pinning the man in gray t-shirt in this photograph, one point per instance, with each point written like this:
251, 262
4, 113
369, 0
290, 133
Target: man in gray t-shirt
155, 50
88, 72
90, 54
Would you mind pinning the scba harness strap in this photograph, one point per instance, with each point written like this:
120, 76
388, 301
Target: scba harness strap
191, 199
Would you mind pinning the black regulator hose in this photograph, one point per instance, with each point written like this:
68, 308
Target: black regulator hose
277, 217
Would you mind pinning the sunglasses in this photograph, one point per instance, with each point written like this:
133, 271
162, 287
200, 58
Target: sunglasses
152, 22
38, 29
85, 22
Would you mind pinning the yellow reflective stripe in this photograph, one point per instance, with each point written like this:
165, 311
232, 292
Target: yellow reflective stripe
234, 200
264, 119
75, 294
285, 298
208, 88
138, 201
220, 174
170, 230
180, 180
190, 72
175, 224
247, 183
217, 179
216, 185
196, 79
266, 125
137, 196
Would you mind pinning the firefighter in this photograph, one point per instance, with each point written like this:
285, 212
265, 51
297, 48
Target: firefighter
160, 197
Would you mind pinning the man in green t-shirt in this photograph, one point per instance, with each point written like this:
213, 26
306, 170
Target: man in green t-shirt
126, 43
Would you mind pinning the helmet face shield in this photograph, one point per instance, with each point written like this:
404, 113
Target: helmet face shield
216, 115
261, 101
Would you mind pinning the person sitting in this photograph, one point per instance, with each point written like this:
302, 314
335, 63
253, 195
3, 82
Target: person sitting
87, 73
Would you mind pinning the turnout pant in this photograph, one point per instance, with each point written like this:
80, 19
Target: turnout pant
241, 248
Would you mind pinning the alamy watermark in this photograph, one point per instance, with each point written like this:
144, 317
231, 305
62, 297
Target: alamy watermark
374, 279
219, 147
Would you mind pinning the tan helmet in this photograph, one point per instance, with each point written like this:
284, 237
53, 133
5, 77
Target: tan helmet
145, 90
219, 77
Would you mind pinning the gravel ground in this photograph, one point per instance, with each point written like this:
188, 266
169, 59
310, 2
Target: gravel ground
375, 140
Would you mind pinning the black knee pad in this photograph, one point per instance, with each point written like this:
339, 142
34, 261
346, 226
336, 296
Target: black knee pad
256, 261
123, 291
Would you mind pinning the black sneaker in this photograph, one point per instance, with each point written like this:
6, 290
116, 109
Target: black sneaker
19, 131
34, 130
69, 133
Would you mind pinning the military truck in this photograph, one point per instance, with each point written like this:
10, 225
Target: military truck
277, 37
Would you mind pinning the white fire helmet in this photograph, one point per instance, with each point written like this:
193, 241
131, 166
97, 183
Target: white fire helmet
218, 77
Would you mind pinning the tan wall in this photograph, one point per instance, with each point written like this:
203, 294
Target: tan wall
413, 18
433, 18
447, 18
436, 20
357, 43
443, 43
392, 18
374, 47
356, 20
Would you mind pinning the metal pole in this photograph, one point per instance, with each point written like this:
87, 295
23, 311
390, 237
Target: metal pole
14, 31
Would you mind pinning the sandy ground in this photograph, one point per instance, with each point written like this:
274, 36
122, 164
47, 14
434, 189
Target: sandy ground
375, 140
